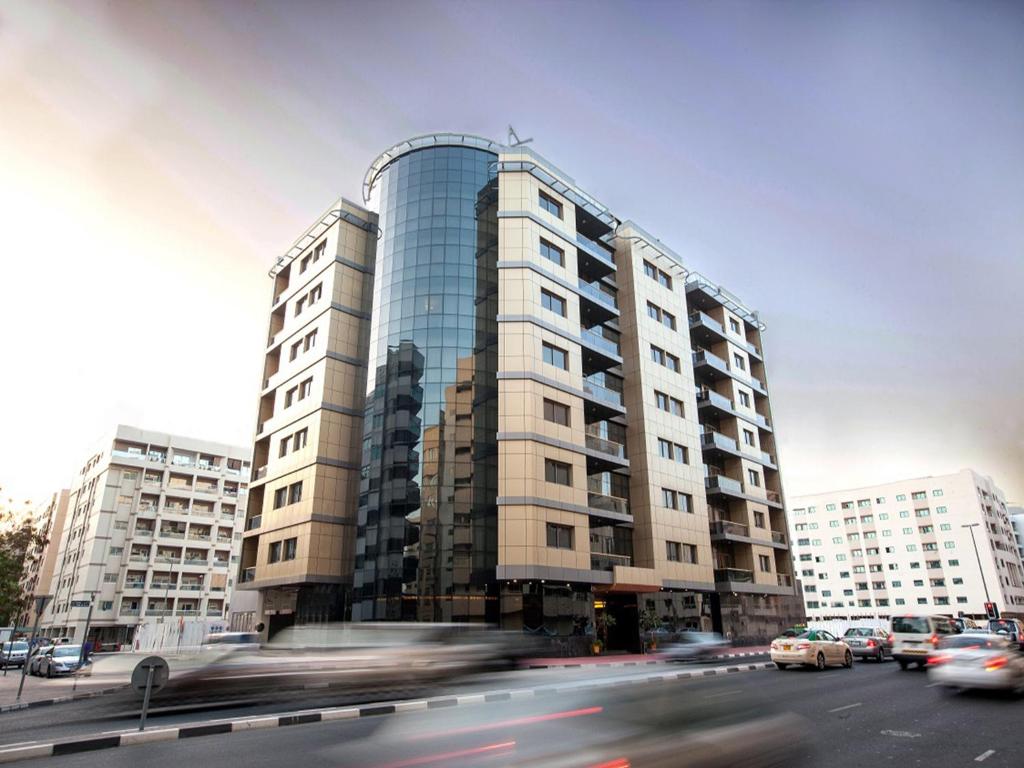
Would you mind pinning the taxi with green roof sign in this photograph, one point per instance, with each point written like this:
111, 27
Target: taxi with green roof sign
812, 648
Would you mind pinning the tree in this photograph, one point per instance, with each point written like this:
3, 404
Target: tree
20, 542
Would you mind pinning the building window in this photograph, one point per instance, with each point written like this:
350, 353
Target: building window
309, 341
305, 388
289, 396
765, 563
316, 294
901, 497
656, 274
676, 500
664, 448
110, 578
274, 553
937, 492
300, 439
294, 352
744, 398
759, 519
282, 451
754, 477
556, 356
549, 204
321, 247
748, 437
733, 325
552, 252
555, 412
295, 493
304, 264
559, 536
281, 494
290, 546
657, 355
674, 551
950, 545
552, 303
653, 312
919, 496
739, 361
557, 472
681, 454
299, 306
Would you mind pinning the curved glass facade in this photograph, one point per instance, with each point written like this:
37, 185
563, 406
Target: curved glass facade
427, 540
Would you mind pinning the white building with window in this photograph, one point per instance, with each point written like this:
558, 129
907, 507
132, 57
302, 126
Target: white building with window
151, 537
906, 547
1017, 521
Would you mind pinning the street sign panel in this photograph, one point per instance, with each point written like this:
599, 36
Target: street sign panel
142, 674
79, 603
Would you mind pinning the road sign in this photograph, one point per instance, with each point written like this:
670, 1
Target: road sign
80, 603
141, 674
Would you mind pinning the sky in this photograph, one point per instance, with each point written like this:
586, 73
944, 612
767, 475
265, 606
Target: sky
855, 171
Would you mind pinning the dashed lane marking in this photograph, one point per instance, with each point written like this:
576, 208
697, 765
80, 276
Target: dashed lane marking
984, 755
848, 706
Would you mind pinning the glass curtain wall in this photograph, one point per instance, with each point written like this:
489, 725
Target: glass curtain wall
427, 538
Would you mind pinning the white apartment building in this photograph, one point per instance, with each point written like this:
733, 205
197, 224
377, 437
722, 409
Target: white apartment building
152, 528
1017, 521
906, 546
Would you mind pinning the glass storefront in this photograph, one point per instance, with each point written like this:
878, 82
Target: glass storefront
427, 535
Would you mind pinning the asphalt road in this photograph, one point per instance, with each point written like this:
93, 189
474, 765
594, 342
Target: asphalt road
866, 716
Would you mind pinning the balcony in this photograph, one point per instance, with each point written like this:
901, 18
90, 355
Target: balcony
768, 460
223, 539
591, 291
733, 575
158, 611
163, 585
784, 580
597, 341
168, 534
129, 612
146, 512
192, 587
143, 533
117, 453
138, 558
710, 363
778, 537
156, 457
196, 561
609, 447
729, 528
253, 522
247, 575
260, 473
135, 585
712, 439
593, 259
209, 490
610, 505
199, 537
186, 612
605, 561
600, 392
773, 497
213, 612
723, 484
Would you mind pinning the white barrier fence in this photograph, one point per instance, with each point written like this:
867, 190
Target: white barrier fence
838, 627
174, 634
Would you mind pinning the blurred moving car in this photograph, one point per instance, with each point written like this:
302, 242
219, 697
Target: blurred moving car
977, 660
228, 642
869, 642
963, 623
36, 657
813, 648
691, 646
914, 636
61, 660
1011, 628
13, 653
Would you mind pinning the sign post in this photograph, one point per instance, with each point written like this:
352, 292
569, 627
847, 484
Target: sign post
149, 676
88, 620
41, 601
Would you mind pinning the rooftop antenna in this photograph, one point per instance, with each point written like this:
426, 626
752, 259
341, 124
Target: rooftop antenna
514, 140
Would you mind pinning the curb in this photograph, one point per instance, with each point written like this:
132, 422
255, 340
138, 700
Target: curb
569, 664
59, 700
93, 742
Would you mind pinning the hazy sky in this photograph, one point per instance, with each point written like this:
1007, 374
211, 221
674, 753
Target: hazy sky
854, 170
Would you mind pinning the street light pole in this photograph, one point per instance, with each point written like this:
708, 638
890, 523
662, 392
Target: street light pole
970, 527
85, 637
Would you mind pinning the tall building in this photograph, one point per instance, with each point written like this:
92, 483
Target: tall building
1017, 522
151, 529
48, 521
557, 421
908, 546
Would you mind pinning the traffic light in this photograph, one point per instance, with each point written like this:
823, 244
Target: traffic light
991, 610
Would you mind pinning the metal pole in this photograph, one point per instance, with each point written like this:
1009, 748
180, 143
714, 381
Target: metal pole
85, 637
24, 667
970, 527
145, 700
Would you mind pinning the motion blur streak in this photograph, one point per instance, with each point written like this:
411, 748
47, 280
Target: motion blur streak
619, 763
500, 748
517, 721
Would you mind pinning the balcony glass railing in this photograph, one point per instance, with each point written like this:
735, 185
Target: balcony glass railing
604, 561
778, 537
192, 587
129, 612
172, 534
163, 585
590, 290
595, 443
723, 483
253, 522
168, 558
733, 574
247, 574
260, 473
138, 558
214, 612
773, 496
599, 341
158, 611
597, 249
122, 454
718, 440
729, 528
767, 458
703, 357
603, 503
710, 396
135, 585
601, 392
157, 458
701, 318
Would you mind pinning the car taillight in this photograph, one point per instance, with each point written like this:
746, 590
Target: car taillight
803, 646
889, 639
939, 658
997, 663
871, 643
934, 640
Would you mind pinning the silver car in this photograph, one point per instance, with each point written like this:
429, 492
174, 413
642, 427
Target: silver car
977, 660
691, 646
869, 643
13, 654
61, 660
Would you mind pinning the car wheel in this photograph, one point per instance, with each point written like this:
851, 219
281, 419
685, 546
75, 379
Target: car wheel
820, 662
780, 665
880, 656
903, 664
848, 660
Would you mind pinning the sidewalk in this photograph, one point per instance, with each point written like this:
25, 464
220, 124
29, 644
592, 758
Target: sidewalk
635, 659
39, 690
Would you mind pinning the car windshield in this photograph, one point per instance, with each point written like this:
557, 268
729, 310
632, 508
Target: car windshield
858, 632
68, 650
972, 641
997, 624
911, 625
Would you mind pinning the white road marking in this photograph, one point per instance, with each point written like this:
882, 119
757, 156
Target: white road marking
933, 685
16, 744
984, 755
901, 734
848, 706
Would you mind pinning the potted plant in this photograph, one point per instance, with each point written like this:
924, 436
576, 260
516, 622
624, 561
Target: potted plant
649, 621
603, 623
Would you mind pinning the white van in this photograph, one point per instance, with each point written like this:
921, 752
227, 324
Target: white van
914, 636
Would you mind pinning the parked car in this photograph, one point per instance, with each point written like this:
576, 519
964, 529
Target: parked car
963, 624
1011, 628
13, 654
814, 648
61, 660
977, 660
914, 636
36, 657
690, 646
869, 642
